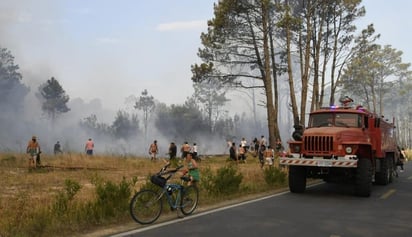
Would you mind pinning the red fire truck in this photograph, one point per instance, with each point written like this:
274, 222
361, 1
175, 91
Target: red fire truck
343, 144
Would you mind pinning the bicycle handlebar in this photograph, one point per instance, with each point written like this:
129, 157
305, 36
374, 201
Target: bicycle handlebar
164, 170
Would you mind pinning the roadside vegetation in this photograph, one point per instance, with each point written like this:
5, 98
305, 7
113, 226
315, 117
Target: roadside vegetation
74, 194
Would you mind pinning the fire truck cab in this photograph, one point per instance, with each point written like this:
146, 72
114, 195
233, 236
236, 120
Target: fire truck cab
343, 144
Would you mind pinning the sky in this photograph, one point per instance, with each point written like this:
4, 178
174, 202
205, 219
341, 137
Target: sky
107, 49
111, 49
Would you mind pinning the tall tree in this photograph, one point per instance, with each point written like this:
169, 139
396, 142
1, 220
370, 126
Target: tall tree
236, 48
320, 31
333, 35
373, 71
212, 98
12, 91
287, 24
54, 98
146, 104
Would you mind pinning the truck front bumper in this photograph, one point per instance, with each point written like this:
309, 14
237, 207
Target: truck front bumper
342, 162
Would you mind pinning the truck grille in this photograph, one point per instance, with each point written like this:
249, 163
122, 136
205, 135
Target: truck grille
318, 144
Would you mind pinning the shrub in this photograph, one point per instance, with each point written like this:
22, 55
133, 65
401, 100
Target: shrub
227, 180
63, 198
207, 179
112, 199
274, 176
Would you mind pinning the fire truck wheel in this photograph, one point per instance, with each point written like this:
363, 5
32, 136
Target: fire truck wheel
384, 176
297, 179
363, 183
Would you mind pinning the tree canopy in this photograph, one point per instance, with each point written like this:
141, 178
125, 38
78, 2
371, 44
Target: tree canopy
12, 90
54, 98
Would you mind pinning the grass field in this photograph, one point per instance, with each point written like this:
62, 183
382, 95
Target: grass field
74, 194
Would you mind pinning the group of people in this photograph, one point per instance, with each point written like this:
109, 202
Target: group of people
188, 153
34, 151
88, 148
172, 151
260, 148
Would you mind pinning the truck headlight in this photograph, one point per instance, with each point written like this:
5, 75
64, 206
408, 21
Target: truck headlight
296, 149
348, 150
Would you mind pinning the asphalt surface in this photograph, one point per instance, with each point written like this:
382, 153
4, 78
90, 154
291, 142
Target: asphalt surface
329, 210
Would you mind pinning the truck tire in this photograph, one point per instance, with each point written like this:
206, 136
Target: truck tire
384, 176
363, 183
297, 179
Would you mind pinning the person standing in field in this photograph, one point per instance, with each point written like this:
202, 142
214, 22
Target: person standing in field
279, 146
233, 153
194, 151
261, 155
403, 158
243, 143
172, 151
57, 148
153, 150
269, 155
33, 149
185, 149
256, 146
262, 141
241, 154
89, 147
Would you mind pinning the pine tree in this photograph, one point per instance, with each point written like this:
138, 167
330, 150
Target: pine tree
54, 99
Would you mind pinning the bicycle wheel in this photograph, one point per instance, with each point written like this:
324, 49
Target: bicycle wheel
188, 202
146, 206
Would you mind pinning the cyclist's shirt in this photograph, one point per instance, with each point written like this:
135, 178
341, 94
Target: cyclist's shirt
193, 171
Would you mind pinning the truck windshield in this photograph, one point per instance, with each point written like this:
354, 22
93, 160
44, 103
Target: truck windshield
335, 120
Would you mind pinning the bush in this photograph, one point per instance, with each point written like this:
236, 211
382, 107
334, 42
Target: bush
112, 199
274, 176
226, 181
63, 198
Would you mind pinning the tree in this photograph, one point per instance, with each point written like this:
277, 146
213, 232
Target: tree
287, 22
333, 26
54, 98
180, 121
212, 98
92, 125
12, 91
238, 47
125, 125
319, 31
146, 104
373, 71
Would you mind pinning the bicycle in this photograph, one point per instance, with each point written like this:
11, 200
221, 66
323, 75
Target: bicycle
147, 204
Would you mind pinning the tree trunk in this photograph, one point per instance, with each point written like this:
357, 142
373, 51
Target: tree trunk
296, 119
267, 80
306, 63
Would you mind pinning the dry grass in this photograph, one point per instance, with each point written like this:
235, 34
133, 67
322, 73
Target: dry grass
23, 189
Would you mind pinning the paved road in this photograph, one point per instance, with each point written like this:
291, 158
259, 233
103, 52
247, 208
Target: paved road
324, 210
